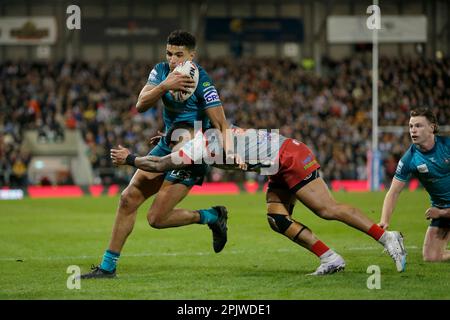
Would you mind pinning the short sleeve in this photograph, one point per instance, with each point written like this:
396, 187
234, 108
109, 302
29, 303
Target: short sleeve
207, 92
403, 171
154, 77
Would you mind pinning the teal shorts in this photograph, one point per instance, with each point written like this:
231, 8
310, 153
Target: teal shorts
440, 223
194, 175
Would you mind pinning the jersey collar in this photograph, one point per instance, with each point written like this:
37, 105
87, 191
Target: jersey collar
429, 151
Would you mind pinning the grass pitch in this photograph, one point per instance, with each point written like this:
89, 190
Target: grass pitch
40, 238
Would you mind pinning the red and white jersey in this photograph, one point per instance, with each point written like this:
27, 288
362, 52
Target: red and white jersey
255, 147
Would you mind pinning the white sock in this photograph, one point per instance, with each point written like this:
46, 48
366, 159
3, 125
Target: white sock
383, 238
327, 254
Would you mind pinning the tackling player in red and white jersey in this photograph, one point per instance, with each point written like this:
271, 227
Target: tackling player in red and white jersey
293, 175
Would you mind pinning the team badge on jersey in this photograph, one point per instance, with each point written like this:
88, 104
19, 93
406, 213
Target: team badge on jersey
422, 168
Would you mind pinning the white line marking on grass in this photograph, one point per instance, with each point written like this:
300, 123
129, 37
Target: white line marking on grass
354, 248
376, 248
176, 254
158, 254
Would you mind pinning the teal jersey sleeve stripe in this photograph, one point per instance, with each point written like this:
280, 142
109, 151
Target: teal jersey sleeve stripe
213, 105
400, 178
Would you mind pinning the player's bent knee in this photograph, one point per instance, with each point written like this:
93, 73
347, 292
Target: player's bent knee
155, 221
128, 200
432, 257
279, 222
327, 213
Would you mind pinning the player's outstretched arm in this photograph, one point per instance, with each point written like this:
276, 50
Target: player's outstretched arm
158, 164
122, 156
390, 200
219, 121
242, 167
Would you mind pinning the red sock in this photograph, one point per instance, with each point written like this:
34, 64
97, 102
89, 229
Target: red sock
375, 231
319, 248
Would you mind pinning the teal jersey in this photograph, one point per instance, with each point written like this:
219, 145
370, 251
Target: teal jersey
432, 168
193, 109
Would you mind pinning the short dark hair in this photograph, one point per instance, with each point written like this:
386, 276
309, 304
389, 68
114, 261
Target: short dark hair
181, 38
427, 113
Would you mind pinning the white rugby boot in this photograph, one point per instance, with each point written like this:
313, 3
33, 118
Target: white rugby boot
393, 245
332, 264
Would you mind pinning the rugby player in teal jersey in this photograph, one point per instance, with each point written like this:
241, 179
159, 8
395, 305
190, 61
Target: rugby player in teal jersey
428, 159
293, 175
172, 186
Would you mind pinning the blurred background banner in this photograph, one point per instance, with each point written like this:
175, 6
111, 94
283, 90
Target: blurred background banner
119, 30
254, 29
27, 30
351, 29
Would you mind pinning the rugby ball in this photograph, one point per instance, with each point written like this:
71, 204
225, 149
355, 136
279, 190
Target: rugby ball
188, 68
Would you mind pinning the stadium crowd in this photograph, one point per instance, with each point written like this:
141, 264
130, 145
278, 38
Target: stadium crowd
331, 113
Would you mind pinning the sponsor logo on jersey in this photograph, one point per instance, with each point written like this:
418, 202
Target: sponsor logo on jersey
399, 167
211, 96
206, 84
422, 168
153, 75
